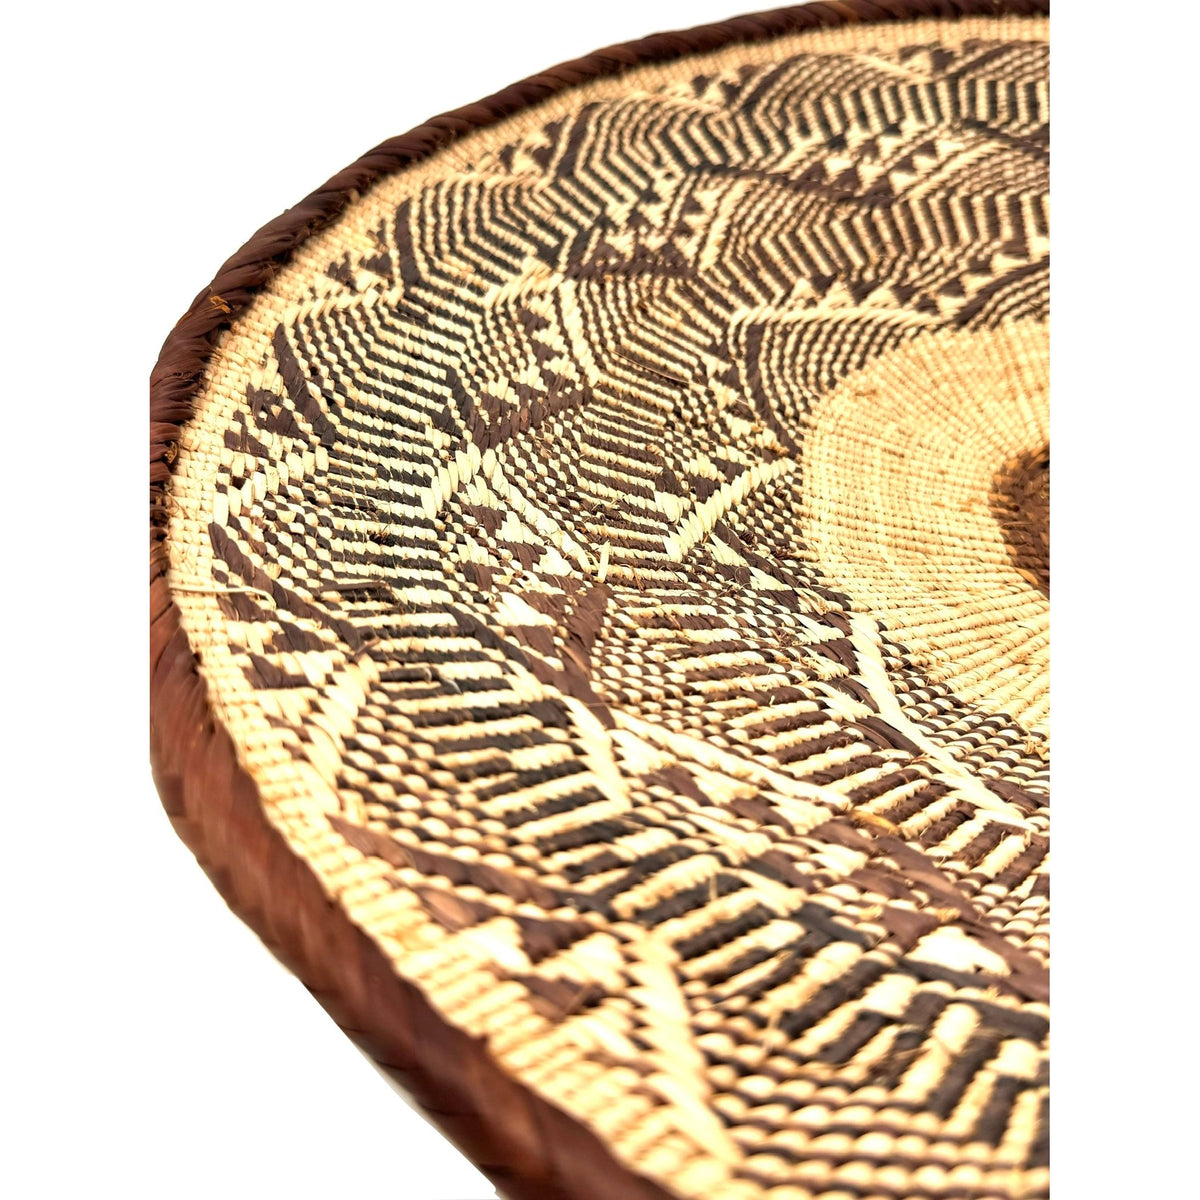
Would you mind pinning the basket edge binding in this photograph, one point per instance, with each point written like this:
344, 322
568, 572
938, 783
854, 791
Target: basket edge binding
529, 1148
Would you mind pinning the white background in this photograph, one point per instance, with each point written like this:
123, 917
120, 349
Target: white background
152, 1047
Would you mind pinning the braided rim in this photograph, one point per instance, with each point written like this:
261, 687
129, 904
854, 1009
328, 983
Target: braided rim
530, 1149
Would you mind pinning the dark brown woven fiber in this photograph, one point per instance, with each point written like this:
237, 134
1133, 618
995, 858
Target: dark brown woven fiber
599, 583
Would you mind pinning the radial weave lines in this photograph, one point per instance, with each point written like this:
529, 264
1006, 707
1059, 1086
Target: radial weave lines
628, 601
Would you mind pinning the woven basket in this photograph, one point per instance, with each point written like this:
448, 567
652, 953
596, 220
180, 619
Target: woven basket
599, 608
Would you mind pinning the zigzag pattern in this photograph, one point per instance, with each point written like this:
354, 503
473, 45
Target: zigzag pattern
615, 610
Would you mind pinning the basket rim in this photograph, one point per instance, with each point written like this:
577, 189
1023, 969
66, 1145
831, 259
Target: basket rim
524, 1144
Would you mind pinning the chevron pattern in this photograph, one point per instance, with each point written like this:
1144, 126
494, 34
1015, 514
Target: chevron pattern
614, 548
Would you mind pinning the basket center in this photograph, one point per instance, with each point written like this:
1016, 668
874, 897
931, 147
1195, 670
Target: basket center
1021, 504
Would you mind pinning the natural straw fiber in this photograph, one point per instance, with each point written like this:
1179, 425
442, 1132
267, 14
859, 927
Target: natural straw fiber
599, 608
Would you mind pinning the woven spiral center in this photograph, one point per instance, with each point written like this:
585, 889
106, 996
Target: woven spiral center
1021, 502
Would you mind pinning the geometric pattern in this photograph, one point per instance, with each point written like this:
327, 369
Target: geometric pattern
609, 548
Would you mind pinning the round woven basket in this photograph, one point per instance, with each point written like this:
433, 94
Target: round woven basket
599, 608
